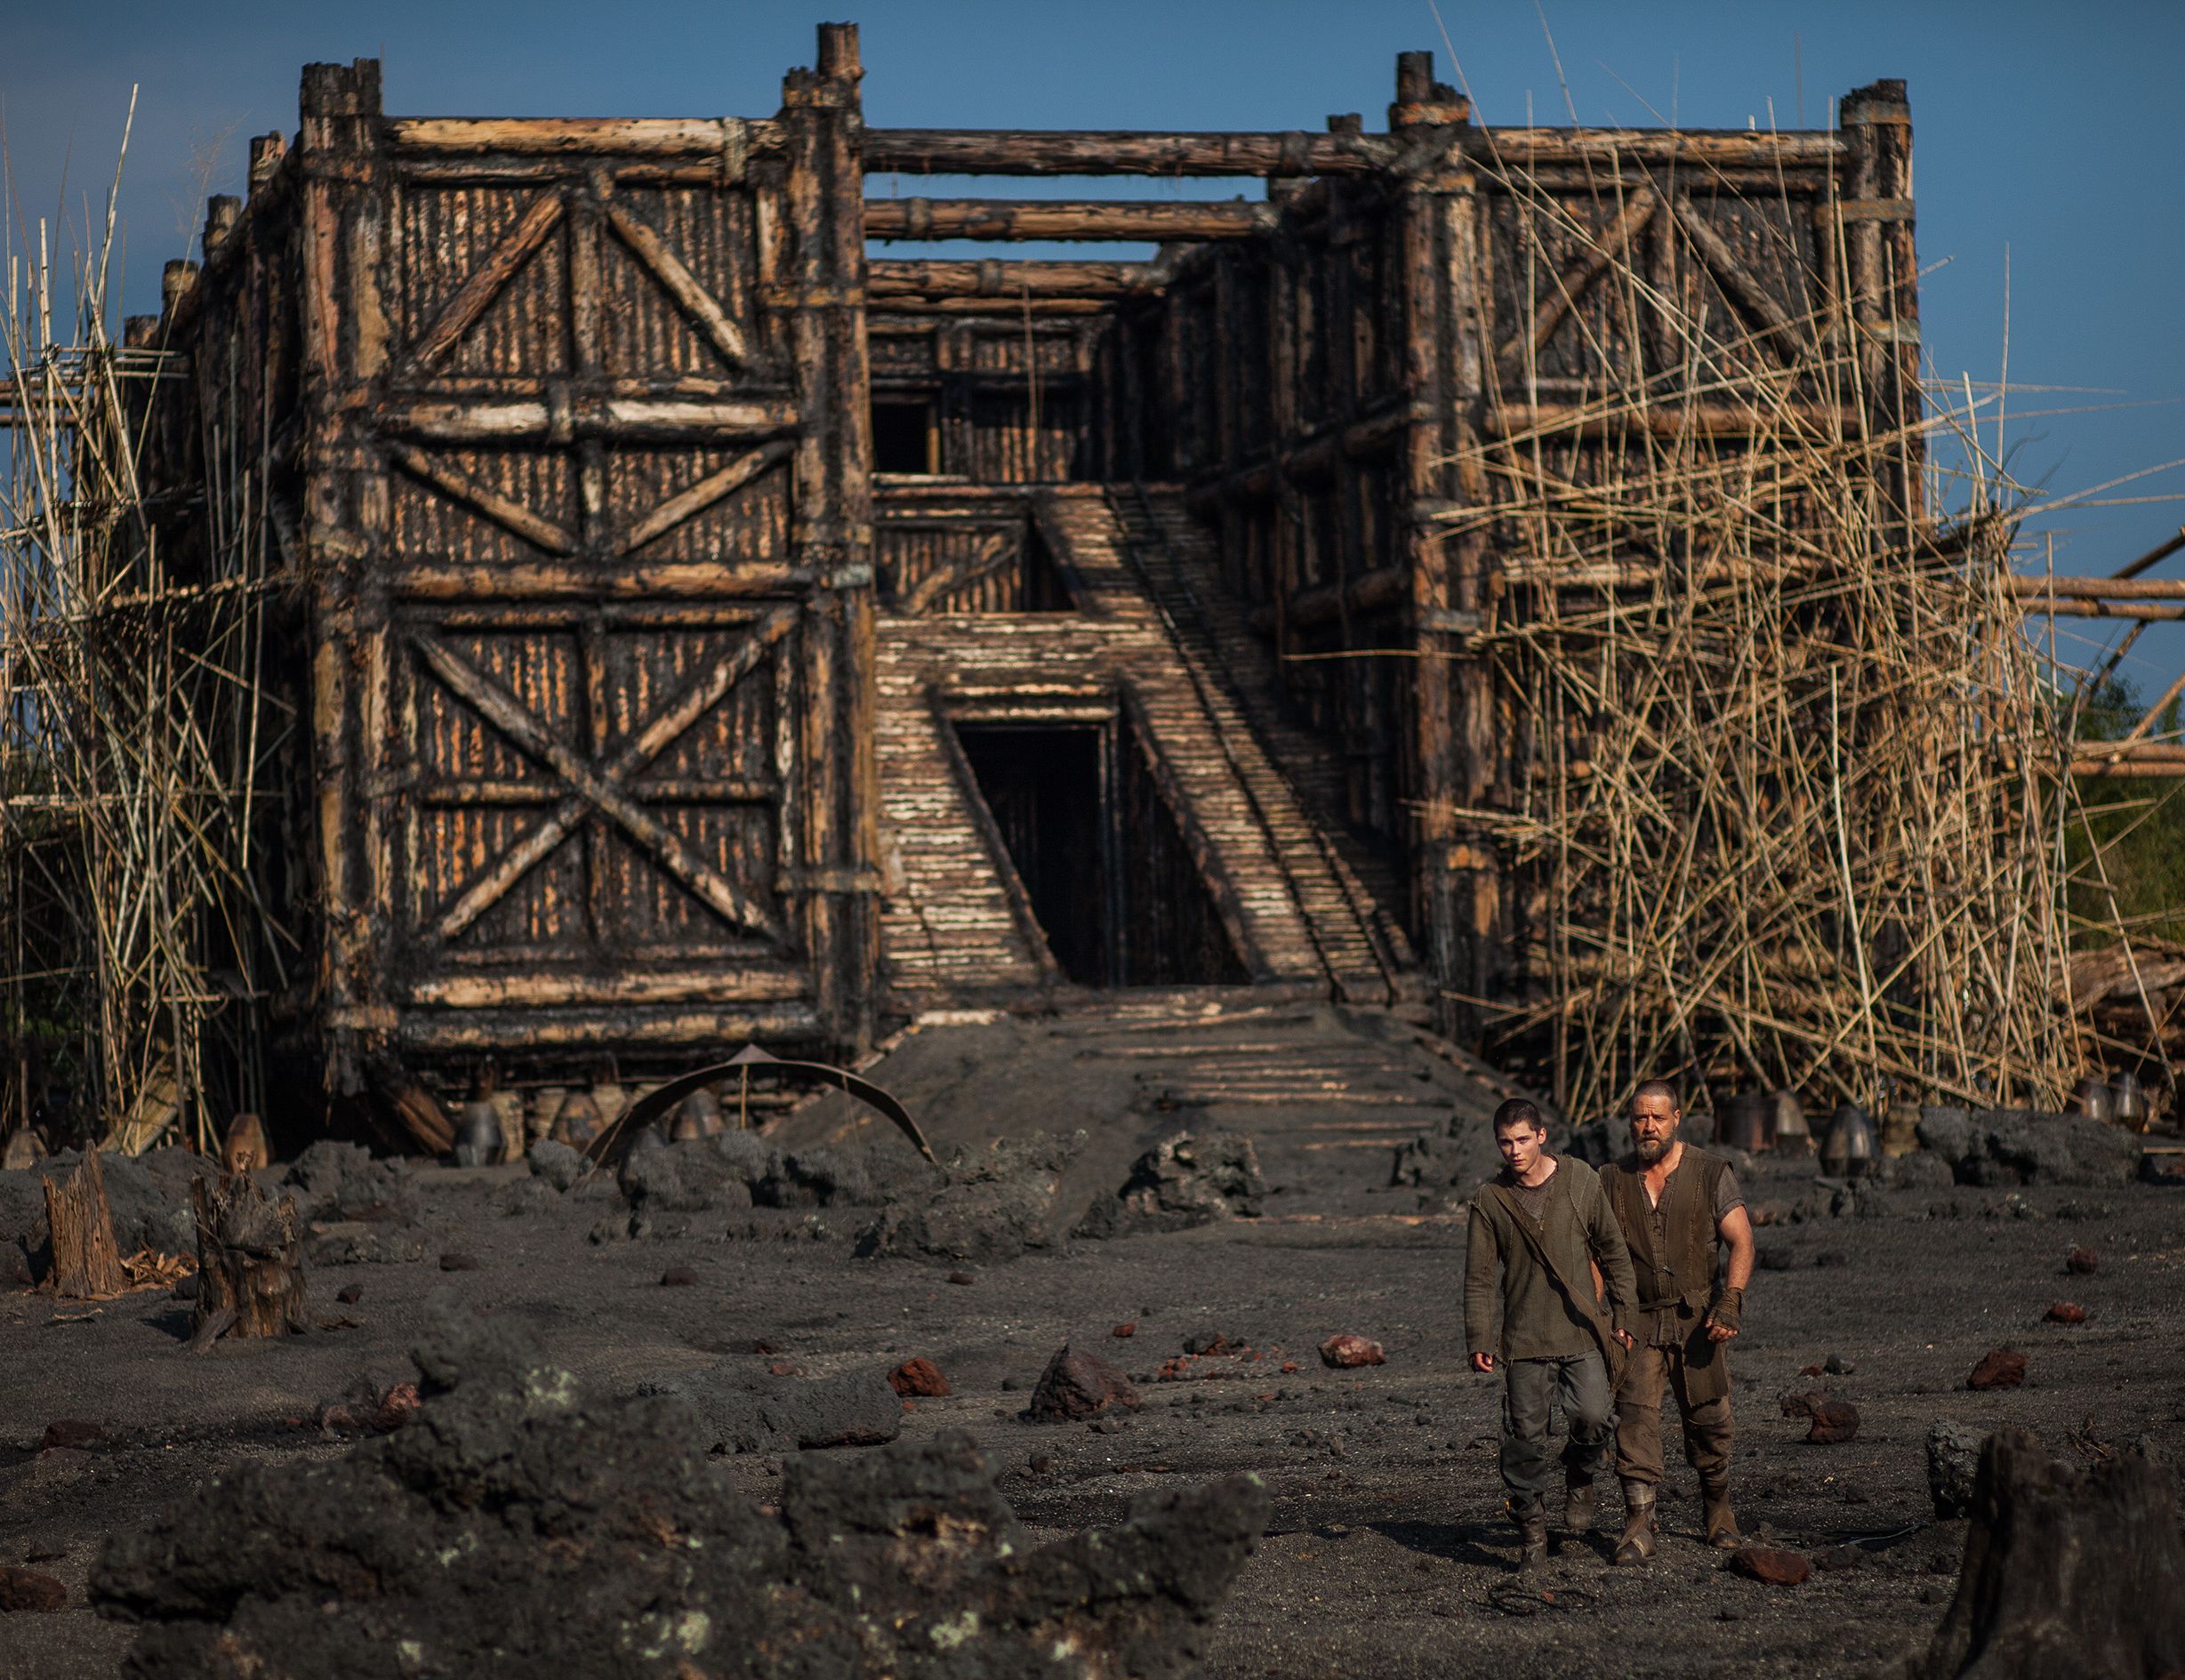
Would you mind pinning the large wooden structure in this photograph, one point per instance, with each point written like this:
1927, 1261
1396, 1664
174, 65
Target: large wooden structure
712, 629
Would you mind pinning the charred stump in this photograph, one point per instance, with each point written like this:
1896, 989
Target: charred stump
2066, 1570
85, 1262
250, 1261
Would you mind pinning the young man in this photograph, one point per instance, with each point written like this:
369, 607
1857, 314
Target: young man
1544, 1222
1678, 1207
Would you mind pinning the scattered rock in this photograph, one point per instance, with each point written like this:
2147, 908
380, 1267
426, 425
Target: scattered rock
1837, 1365
963, 1278
2083, 1262
918, 1377
2008, 1146
1771, 1565
2003, 1368
1189, 1179
454, 1262
1212, 1343
27, 1589
686, 1178
1834, 1421
1802, 1402
72, 1432
357, 1244
1346, 1352
335, 1182
816, 1179
606, 1541
556, 1163
349, 1294
1123, 1333
1835, 1557
1861, 1199
1076, 1386
368, 1409
991, 1206
2065, 1313
744, 1410
679, 1277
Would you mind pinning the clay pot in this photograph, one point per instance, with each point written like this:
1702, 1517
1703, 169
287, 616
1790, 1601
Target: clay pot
479, 1141
1849, 1150
2091, 1099
1788, 1129
578, 1123
697, 1115
1741, 1122
2128, 1106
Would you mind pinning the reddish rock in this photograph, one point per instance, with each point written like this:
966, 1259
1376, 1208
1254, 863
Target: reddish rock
2001, 1368
1123, 1333
961, 1277
2082, 1263
2065, 1313
784, 1368
1288, 1365
1834, 1420
919, 1376
1076, 1386
72, 1432
1212, 1347
349, 1294
1802, 1402
28, 1590
1346, 1352
1809, 1371
764, 1349
1770, 1564
679, 1277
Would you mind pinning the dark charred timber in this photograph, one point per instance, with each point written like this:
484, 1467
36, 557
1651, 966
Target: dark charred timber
1037, 219
250, 1261
85, 1263
1010, 281
2067, 1569
972, 151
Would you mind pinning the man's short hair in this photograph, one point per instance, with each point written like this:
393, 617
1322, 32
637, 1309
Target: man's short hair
1658, 1087
1519, 1112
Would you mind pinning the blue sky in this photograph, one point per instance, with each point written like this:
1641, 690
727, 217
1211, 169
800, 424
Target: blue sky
2046, 148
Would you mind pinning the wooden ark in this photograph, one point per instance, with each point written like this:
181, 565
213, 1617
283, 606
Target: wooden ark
711, 629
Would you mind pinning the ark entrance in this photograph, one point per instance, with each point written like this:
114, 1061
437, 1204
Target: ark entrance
1105, 869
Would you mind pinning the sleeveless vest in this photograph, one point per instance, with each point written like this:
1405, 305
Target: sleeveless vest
1681, 1278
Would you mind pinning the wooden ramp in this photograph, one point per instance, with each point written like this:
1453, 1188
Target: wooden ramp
1143, 642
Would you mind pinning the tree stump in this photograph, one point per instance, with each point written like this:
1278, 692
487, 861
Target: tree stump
85, 1263
250, 1260
2066, 1570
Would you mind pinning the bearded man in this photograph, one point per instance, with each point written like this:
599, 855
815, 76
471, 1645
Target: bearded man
1679, 1208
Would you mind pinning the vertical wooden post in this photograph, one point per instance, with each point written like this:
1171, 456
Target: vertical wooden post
1456, 872
1883, 274
833, 533
345, 498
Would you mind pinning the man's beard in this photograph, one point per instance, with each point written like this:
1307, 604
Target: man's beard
1651, 1149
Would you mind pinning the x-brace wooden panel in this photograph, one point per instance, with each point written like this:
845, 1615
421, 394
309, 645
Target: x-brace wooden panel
604, 787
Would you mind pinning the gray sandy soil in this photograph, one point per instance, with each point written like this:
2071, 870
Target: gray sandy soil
1386, 1553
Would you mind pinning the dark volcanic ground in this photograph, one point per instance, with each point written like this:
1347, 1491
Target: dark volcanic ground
1386, 1554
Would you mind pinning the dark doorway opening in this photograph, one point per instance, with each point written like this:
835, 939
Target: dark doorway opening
1105, 872
902, 437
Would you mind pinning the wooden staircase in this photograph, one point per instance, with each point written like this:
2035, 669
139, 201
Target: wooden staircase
955, 919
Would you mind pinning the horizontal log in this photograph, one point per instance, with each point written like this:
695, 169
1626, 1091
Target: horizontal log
1061, 219
1713, 420
1314, 458
632, 419
690, 790
997, 151
896, 279
2098, 588
608, 577
1728, 148
726, 984
2063, 607
1363, 597
626, 137
900, 309
599, 1030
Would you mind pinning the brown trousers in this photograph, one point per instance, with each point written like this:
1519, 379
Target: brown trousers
1638, 1420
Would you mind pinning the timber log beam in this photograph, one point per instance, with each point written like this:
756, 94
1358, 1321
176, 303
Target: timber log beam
1062, 219
626, 419
726, 138
1366, 595
1009, 281
995, 151
1713, 420
1314, 458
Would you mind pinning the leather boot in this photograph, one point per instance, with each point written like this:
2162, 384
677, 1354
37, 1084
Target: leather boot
1581, 1506
1532, 1521
1637, 1544
1720, 1526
